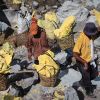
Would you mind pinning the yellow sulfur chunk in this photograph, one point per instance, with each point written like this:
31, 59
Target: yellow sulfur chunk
57, 95
10, 97
6, 47
17, 1
56, 71
2, 52
49, 24
97, 15
3, 66
50, 53
41, 23
56, 67
47, 73
51, 16
38, 67
47, 65
42, 72
65, 28
49, 27
11, 52
52, 71
6, 53
8, 59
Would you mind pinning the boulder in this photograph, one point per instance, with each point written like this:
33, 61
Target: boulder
98, 7
66, 77
72, 8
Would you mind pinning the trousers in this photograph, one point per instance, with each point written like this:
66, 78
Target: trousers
87, 75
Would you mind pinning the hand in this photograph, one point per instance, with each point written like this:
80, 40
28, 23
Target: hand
85, 66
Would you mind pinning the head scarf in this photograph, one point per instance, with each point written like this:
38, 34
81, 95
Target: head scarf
34, 26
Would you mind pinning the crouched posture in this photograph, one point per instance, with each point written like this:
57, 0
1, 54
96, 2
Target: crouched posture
37, 41
83, 52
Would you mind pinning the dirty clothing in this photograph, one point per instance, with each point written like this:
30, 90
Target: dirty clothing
87, 76
38, 44
83, 47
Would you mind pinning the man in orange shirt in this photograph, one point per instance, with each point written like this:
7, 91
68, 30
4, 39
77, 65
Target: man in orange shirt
37, 41
83, 52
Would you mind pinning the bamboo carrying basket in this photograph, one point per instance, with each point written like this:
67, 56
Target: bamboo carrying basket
52, 43
9, 39
21, 39
3, 82
48, 82
66, 42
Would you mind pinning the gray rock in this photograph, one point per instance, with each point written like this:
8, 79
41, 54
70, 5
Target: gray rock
39, 92
71, 8
91, 19
97, 42
15, 68
41, 9
3, 26
23, 9
13, 91
61, 1
61, 57
71, 94
30, 66
15, 19
96, 2
55, 7
68, 78
35, 4
51, 2
96, 81
77, 1
21, 53
25, 83
90, 5
48, 7
79, 26
97, 49
98, 7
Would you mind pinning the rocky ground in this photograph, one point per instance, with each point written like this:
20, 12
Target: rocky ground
81, 9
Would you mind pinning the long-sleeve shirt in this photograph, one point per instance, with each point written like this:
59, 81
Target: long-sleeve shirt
38, 44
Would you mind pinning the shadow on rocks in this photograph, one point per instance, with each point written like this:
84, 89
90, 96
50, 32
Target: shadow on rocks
79, 93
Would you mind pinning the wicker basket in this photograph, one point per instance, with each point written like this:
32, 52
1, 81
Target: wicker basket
66, 42
9, 39
21, 39
52, 43
3, 82
48, 82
